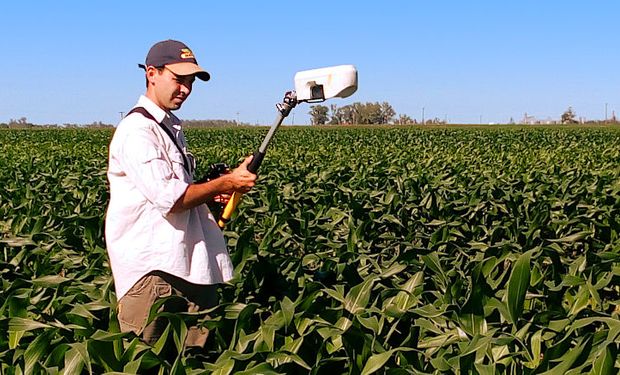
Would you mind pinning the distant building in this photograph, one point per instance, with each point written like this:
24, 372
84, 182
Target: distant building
532, 120
528, 120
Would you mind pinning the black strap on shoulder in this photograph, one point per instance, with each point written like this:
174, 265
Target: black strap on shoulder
147, 114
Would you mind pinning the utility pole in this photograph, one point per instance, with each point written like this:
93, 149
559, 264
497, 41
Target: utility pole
122, 115
237, 118
605, 112
422, 115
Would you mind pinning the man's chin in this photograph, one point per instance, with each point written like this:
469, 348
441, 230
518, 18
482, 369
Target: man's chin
174, 106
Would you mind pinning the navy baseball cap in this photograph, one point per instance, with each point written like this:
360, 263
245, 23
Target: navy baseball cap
175, 56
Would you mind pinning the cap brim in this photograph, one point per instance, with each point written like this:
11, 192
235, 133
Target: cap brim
187, 68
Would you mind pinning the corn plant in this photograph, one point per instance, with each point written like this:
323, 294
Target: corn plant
361, 250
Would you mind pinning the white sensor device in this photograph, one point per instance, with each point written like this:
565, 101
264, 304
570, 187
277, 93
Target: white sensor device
317, 85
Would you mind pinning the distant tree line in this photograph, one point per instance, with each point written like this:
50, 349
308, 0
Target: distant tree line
353, 114
382, 113
356, 113
212, 123
23, 123
568, 117
361, 114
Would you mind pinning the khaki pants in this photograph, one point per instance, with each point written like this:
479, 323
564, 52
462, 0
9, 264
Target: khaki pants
133, 307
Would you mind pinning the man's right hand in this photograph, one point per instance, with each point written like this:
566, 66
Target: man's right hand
242, 180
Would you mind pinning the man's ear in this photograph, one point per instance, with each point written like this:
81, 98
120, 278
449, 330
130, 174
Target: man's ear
151, 72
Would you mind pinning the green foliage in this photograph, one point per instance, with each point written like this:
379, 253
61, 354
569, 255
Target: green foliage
358, 113
319, 114
360, 251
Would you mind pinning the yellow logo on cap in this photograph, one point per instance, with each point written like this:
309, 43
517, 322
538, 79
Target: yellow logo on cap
187, 53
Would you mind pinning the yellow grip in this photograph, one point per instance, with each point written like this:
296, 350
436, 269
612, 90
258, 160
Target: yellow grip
229, 209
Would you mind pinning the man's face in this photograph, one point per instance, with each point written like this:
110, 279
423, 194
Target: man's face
167, 89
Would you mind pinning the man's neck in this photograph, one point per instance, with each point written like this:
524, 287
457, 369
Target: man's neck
149, 94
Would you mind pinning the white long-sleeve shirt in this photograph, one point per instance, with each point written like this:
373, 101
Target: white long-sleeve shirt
147, 176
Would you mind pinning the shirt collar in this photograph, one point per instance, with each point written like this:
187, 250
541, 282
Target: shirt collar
159, 114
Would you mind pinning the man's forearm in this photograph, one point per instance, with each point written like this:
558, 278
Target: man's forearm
197, 194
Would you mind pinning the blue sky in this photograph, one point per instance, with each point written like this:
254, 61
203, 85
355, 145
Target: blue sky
75, 61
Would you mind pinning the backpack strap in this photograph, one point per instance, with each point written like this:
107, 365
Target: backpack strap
147, 114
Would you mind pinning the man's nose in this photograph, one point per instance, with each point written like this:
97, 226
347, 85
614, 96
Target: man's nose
186, 89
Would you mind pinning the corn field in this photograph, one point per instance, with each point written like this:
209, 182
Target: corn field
361, 250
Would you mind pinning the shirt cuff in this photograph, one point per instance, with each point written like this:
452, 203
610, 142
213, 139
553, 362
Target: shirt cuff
172, 191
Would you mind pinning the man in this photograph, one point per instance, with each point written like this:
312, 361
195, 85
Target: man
162, 239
